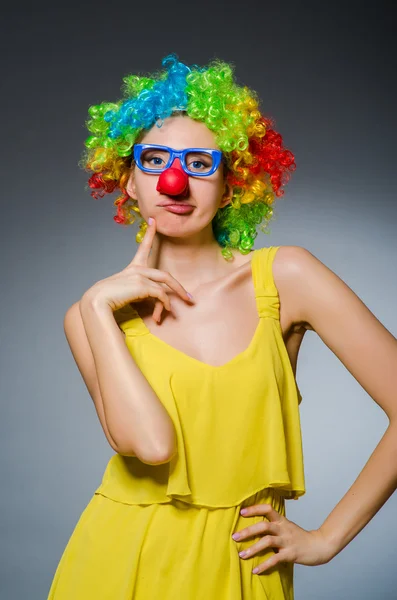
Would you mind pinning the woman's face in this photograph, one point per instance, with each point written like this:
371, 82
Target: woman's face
206, 194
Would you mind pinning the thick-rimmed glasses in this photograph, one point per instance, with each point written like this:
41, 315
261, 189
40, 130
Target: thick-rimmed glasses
200, 162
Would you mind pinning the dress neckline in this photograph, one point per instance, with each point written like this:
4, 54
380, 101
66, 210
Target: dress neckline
196, 361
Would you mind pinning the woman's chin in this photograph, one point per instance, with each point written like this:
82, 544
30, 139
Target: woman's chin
177, 228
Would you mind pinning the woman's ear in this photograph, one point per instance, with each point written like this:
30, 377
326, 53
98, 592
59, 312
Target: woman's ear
227, 195
131, 191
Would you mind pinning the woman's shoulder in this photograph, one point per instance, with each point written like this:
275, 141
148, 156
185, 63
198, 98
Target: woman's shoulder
289, 265
288, 259
285, 260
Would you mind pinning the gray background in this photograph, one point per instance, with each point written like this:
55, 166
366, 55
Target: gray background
326, 73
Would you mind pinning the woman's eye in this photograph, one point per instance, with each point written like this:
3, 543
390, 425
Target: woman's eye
196, 164
157, 160
198, 161
153, 161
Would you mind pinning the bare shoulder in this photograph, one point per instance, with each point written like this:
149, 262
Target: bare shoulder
310, 288
291, 265
328, 306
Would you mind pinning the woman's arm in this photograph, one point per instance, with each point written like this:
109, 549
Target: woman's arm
78, 343
133, 419
369, 352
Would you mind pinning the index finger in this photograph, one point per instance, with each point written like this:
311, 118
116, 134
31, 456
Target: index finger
142, 254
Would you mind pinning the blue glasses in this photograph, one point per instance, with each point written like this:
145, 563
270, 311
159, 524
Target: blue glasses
199, 162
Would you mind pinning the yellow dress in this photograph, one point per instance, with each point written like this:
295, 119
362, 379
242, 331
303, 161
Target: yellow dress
163, 532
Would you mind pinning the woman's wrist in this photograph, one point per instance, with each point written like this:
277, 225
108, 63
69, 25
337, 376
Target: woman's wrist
93, 301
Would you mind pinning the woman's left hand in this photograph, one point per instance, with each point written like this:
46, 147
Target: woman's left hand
291, 542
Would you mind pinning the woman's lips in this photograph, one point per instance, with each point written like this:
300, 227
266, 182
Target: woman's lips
179, 209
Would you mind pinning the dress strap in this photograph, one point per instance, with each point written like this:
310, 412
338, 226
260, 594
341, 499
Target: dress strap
266, 293
128, 320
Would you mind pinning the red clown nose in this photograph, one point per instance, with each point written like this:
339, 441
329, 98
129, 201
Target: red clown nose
173, 181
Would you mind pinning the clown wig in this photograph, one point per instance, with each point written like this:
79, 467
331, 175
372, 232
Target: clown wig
255, 161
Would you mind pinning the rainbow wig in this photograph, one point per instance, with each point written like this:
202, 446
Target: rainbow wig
256, 163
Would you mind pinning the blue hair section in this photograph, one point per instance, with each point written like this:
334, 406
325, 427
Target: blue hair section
154, 104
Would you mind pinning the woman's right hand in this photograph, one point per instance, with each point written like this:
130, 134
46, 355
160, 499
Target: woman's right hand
138, 281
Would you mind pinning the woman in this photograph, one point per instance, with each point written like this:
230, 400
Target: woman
189, 354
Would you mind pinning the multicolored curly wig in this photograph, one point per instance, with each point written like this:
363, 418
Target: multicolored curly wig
256, 163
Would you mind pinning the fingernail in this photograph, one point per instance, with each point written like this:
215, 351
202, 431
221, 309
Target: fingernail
190, 296
243, 511
235, 536
150, 221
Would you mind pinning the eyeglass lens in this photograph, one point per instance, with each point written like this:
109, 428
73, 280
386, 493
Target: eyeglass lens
196, 162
